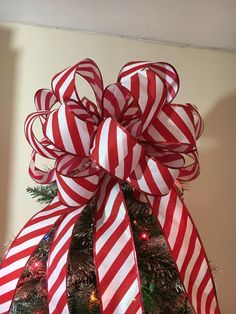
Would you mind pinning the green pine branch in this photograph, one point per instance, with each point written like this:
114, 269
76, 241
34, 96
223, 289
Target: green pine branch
43, 193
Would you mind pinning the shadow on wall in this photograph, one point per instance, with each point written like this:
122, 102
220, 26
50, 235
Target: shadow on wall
213, 199
7, 72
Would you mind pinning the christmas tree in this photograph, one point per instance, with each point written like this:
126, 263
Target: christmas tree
162, 290
116, 236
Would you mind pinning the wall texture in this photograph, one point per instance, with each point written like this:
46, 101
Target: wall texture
29, 58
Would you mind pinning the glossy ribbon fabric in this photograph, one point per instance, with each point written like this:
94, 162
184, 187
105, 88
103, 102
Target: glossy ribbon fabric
134, 134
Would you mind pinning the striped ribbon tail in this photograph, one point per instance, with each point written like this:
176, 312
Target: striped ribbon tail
187, 251
22, 248
57, 263
114, 254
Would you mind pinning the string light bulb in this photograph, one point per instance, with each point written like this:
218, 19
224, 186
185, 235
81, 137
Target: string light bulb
144, 236
92, 297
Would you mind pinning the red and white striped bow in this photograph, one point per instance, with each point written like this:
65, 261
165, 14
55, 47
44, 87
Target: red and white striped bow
132, 134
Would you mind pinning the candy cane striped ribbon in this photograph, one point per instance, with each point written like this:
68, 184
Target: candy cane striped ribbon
187, 251
23, 247
114, 252
57, 262
135, 134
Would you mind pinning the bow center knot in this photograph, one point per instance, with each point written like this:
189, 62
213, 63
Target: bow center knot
115, 150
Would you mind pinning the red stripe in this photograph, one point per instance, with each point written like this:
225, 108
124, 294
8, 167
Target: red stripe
169, 215
200, 291
119, 294
110, 242
180, 235
117, 264
112, 146
78, 198
189, 254
115, 211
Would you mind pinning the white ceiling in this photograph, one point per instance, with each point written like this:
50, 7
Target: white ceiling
202, 23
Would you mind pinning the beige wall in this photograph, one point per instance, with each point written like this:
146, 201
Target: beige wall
29, 56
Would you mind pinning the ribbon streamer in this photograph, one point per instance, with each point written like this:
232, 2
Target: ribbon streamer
134, 134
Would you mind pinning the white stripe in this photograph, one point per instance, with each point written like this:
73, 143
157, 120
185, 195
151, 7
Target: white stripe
38, 146
201, 273
74, 96
66, 220
119, 96
134, 128
25, 245
159, 91
93, 179
4, 307
129, 67
65, 196
77, 187
97, 90
52, 100
42, 100
49, 127
164, 201
137, 150
109, 107
213, 305
86, 74
83, 134
175, 226
109, 206
141, 180
58, 77
183, 115
172, 127
11, 268
122, 145
157, 176
65, 84
102, 195
126, 82
191, 264
65, 309
103, 145
117, 280
57, 296
65, 134
155, 135
143, 90
9, 286
185, 245
128, 298
205, 294
131, 111
89, 65
113, 253
56, 272
49, 212
122, 148
39, 225
60, 245
107, 234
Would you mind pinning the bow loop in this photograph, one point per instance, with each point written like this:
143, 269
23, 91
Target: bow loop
151, 177
68, 132
44, 99
119, 103
152, 84
64, 85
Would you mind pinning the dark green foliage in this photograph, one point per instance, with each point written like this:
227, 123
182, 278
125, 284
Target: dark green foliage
161, 288
43, 193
